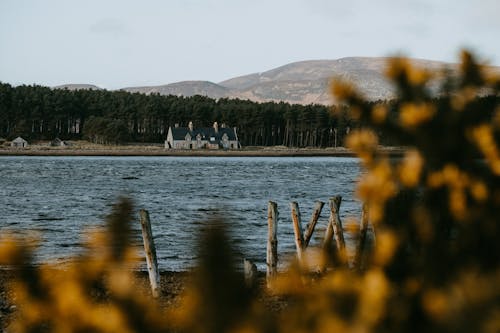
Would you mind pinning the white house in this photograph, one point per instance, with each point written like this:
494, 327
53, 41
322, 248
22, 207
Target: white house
202, 138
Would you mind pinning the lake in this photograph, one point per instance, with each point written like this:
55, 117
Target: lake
61, 197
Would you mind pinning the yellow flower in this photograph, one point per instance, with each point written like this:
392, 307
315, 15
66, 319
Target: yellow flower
484, 139
375, 188
452, 175
458, 203
412, 115
373, 297
479, 191
342, 90
379, 113
396, 67
387, 243
460, 100
411, 168
435, 179
364, 143
402, 67
435, 304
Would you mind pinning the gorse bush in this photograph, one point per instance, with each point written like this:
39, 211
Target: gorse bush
435, 209
434, 268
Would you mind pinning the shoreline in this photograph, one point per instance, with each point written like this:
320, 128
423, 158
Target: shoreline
155, 151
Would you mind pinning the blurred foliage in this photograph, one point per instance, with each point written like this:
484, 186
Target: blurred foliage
435, 209
434, 267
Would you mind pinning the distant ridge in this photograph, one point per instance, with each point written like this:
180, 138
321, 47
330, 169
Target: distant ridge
302, 82
185, 88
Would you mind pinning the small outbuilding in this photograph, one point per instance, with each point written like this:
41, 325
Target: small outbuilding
19, 143
58, 143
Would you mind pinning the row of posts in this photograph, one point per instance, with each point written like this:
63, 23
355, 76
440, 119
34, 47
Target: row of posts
334, 231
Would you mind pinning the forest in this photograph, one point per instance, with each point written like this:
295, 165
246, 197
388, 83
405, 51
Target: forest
42, 113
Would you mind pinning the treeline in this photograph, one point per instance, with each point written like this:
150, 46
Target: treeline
37, 112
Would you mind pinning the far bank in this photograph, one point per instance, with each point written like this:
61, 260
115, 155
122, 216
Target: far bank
80, 149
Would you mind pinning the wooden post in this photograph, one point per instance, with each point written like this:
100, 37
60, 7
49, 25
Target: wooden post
334, 230
362, 238
297, 229
336, 223
150, 250
318, 206
250, 271
272, 241
327, 241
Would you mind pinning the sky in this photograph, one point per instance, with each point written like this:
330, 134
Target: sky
123, 43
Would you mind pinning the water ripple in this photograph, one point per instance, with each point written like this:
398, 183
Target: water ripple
64, 196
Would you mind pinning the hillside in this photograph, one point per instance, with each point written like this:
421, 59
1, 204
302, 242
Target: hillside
307, 81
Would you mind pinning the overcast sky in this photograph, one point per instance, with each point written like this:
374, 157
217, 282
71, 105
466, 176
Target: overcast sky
120, 43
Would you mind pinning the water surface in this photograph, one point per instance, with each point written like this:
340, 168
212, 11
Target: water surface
60, 197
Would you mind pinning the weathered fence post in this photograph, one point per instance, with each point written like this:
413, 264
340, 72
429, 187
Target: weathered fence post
318, 206
338, 231
334, 230
150, 250
358, 257
327, 240
297, 229
272, 241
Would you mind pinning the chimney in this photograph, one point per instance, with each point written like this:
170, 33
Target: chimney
236, 135
190, 126
216, 127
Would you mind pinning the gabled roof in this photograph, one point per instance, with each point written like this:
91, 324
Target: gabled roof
19, 139
179, 133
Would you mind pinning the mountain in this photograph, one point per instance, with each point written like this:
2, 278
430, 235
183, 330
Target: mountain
308, 81
301, 82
